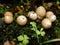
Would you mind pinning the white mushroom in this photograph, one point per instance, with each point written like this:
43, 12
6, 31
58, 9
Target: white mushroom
32, 15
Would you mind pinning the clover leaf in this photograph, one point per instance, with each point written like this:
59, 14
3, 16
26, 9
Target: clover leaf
20, 38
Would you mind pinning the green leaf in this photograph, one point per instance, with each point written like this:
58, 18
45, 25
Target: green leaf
20, 38
33, 29
26, 37
37, 32
25, 42
33, 24
43, 33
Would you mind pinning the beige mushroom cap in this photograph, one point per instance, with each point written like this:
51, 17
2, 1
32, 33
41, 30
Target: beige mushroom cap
8, 14
52, 18
8, 19
49, 13
21, 20
46, 23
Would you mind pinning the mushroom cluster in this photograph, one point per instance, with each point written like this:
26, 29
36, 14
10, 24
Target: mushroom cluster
49, 17
46, 17
8, 18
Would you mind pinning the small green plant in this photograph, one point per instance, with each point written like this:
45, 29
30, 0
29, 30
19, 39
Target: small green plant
24, 39
37, 32
34, 28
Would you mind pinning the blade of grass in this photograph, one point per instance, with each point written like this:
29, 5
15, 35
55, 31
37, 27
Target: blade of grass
53, 40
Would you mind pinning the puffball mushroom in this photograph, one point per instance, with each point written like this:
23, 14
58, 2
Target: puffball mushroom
41, 11
52, 18
8, 14
49, 13
21, 20
46, 23
32, 15
7, 43
8, 19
